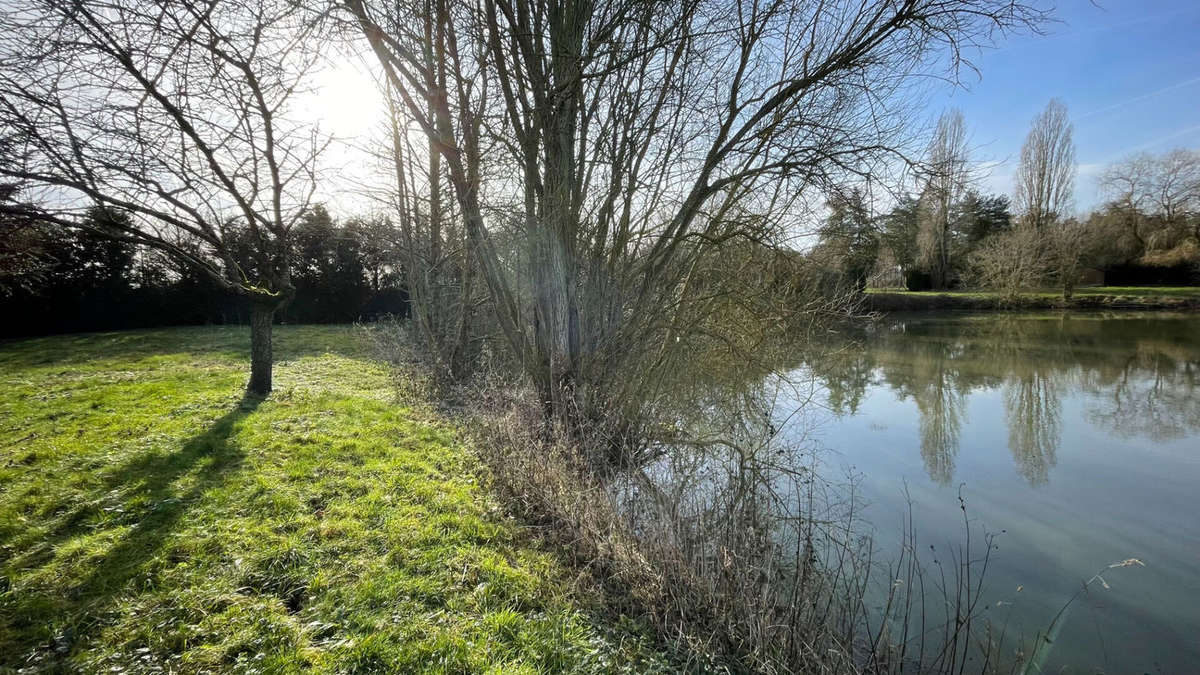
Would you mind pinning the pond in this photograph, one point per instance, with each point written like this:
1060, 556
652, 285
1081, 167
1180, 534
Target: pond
1073, 438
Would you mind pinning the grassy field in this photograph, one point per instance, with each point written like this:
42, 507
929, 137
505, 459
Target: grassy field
151, 520
1170, 298
1121, 291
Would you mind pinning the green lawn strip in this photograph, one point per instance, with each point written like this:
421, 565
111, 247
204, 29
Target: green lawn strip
151, 520
1189, 292
1143, 291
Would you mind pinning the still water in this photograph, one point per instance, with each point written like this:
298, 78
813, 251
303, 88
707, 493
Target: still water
1075, 439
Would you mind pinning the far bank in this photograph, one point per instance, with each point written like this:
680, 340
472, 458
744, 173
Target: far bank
1145, 298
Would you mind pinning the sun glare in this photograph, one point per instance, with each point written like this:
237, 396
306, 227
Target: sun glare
346, 100
348, 107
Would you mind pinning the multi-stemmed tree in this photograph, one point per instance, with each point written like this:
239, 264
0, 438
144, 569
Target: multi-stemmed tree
618, 143
179, 113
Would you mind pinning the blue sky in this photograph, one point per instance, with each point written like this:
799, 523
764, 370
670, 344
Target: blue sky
1128, 71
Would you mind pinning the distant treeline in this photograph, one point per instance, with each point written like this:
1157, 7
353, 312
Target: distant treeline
81, 280
1146, 233
1119, 244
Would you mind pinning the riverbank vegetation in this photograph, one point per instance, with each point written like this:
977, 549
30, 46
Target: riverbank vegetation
732, 537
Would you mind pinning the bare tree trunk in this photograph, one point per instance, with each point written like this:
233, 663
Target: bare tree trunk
458, 353
949, 159
261, 360
633, 173
213, 88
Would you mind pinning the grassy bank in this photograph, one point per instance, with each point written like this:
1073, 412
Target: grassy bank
151, 520
1091, 298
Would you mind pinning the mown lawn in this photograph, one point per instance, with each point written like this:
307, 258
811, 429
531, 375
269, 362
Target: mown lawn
1129, 291
151, 520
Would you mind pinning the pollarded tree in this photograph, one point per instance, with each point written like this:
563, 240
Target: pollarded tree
179, 113
625, 140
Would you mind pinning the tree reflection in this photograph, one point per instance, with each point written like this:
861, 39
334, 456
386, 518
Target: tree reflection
941, 420
940, 405
1139, 373
1149, 394
727, 497
1033, 412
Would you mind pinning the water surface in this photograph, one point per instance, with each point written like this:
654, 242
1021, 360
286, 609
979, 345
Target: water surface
1074, 438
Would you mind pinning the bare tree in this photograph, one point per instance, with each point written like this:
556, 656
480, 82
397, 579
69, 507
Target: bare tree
22, 256
443, 293
1010, 262
1066, 244
178, 113
1177, 188
950, 176
623, 140
1046, 174
1045, 183
1128, 184
1157, 194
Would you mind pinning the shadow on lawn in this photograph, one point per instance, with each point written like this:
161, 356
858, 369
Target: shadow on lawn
148, 483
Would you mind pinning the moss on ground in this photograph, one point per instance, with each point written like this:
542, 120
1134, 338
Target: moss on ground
151, 520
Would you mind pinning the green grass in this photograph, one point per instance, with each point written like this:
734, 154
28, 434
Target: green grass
151, 520
1143, 291
1116, 291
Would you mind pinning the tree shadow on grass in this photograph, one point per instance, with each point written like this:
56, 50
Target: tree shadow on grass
155, 506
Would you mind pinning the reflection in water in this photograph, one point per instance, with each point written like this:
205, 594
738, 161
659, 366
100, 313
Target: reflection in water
1141, 379
1033, 411
733, 511
1098, 417
941, 407
732, 499
1150, 394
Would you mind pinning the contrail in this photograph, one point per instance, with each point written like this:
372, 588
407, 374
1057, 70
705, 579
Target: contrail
1164, 139
1135, 99
1152, 143
1125, 24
